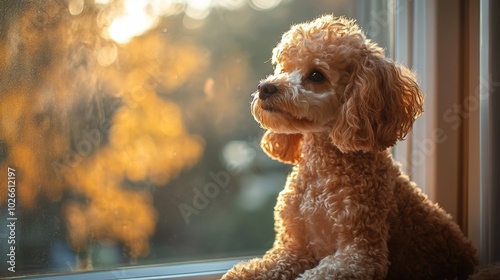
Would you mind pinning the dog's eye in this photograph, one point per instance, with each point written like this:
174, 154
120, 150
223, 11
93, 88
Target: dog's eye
316, 77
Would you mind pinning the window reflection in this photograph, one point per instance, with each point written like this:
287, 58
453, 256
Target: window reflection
128, 125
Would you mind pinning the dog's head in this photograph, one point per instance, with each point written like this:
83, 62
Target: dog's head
329, 78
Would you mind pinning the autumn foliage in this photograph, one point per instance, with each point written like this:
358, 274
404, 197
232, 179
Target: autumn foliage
82, 117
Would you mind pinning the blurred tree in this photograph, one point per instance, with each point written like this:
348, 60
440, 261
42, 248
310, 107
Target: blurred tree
56, 66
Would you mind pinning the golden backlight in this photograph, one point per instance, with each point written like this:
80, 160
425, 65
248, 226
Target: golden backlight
93, 155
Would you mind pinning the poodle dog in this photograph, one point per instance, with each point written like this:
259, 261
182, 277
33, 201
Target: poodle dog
333, 107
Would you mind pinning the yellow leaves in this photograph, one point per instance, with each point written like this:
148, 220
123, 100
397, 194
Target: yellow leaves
12, 107
187, 60
119, 215
163, 64
147, 142
33, 142
50, 115
28, 183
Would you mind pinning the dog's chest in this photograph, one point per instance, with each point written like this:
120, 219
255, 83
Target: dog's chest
318, 209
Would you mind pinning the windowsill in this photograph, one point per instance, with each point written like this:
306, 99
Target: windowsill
185, 271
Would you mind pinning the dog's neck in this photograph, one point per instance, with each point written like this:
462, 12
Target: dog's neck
319, 153
317, 143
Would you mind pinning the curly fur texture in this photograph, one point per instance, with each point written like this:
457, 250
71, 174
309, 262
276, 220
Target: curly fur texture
333, 107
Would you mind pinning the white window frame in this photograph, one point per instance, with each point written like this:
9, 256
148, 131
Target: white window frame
487, 87
485, 216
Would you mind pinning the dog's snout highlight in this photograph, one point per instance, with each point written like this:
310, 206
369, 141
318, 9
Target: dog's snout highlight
266, 90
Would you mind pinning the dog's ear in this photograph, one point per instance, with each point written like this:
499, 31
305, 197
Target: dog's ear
282, 147
382, 101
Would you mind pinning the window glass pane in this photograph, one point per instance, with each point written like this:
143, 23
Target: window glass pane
125, 131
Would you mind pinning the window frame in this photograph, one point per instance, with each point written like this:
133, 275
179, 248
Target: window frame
489, 153
182, 271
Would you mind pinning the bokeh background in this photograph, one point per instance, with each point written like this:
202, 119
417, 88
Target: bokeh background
129, 128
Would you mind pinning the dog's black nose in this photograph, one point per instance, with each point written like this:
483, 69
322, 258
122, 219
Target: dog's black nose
266, 90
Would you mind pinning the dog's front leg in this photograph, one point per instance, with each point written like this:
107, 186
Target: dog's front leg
361, 251
277, 264
344, 265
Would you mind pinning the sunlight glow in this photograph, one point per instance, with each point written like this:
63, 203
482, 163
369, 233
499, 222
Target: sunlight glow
75, 7
238, 155
102, 2
265, 4
231, 4
107, 55
195, 12
200, 4
136, 17
122, 29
